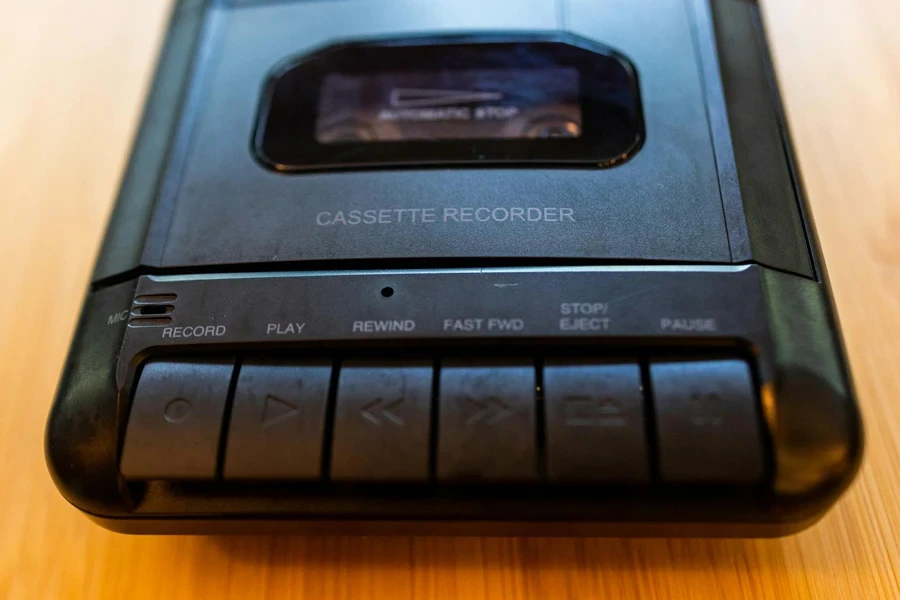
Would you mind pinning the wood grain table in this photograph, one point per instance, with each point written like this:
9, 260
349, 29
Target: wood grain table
72, 79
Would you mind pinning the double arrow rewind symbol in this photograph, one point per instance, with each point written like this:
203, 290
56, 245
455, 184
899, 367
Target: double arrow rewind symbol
376, 412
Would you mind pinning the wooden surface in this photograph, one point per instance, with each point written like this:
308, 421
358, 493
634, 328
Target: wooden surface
72, 77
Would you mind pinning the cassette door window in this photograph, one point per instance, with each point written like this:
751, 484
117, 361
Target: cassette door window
473, 100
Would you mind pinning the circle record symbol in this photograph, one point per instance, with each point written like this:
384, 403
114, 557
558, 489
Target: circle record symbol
177, 410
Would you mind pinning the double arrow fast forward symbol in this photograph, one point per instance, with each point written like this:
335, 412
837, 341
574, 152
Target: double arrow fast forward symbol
491, 410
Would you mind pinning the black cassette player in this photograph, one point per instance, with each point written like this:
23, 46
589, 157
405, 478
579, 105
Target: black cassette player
520, 267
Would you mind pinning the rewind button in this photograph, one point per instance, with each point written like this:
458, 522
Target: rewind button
382, 419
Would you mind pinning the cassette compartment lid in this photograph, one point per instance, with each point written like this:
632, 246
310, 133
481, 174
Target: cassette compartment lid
226, 208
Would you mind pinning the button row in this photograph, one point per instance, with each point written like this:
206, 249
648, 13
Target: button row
478, 420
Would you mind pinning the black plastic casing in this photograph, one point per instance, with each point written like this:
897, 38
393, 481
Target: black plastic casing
707, 220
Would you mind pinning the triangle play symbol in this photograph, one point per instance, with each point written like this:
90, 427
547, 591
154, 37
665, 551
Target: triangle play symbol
276, 410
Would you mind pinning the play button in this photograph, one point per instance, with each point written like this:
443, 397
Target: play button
277, 421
